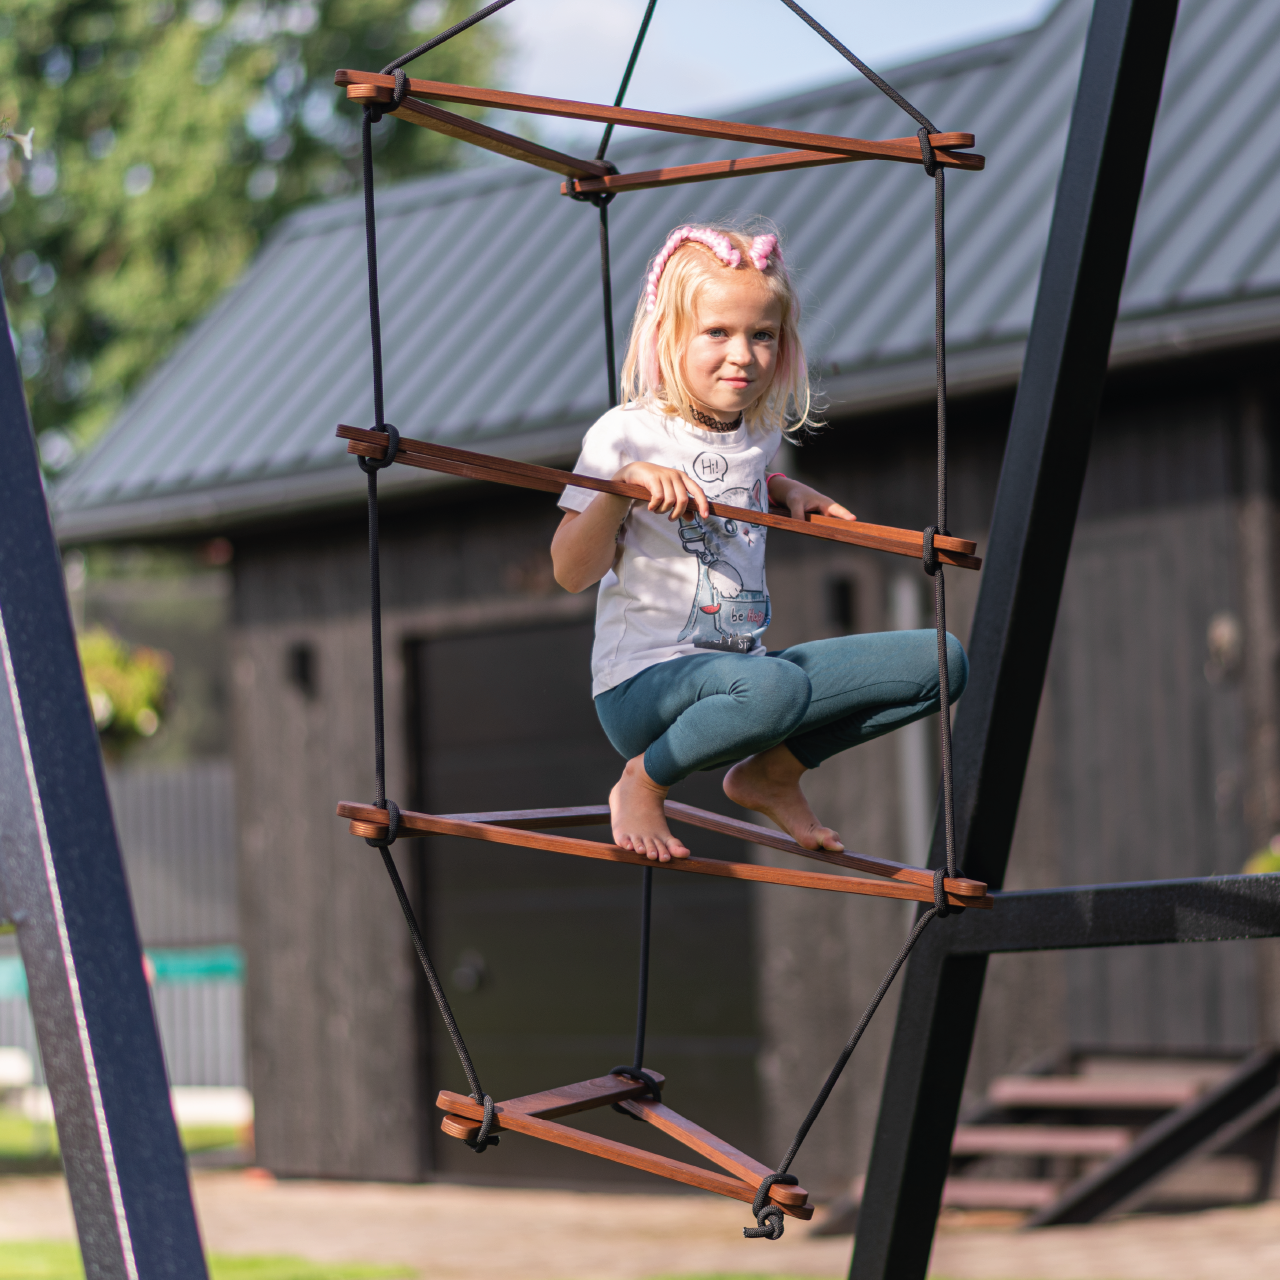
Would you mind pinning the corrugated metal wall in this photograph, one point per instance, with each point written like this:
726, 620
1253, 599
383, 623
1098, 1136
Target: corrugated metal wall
177, 833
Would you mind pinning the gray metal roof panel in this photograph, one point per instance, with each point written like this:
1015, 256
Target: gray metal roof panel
491, 296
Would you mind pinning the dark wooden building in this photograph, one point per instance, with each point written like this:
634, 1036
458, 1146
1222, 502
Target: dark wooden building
1157, 751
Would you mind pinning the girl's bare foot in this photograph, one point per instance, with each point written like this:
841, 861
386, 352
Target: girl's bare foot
639, 823
770, 784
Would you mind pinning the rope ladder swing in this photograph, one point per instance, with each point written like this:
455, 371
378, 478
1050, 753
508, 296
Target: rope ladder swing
475, 1118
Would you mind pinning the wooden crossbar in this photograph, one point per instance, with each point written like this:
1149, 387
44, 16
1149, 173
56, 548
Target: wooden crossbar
589, 176
479, 466
453, 125
947, 146
708, 171
531, 1115
598, 815
371, 823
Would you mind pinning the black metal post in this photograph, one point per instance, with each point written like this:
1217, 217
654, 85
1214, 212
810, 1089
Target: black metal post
62, 884
1036, 504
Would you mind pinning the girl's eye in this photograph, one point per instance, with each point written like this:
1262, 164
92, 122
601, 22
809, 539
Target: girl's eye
717, 333
762, 335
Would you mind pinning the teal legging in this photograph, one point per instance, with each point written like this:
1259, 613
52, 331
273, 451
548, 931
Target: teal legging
820, 698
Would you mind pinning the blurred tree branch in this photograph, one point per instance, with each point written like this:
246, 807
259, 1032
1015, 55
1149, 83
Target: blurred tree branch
168, 139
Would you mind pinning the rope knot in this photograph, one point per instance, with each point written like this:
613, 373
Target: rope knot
930, 557
926, 151
393, 826
377, 110
769, 1221
598, 198
640, 1076
370, 465
483, 1139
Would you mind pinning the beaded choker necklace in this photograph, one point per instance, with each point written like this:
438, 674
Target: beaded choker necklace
714, 424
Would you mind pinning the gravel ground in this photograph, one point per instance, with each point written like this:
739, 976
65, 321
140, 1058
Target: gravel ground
452, 1232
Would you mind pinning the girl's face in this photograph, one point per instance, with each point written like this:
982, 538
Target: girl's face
731, 359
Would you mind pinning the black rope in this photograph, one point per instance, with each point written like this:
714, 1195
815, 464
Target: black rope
626, 75
456, 30
602, 201
883, 85
769, 1217
374, 112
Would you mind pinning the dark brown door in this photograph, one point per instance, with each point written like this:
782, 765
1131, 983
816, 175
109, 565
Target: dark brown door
537, 950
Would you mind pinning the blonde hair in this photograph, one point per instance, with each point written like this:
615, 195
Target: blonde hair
666, 317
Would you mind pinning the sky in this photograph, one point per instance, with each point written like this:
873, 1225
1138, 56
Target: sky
705, 55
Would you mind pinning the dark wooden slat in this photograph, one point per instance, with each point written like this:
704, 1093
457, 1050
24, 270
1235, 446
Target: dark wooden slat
585, 815
452, 125
586, 1095
365, 822
1040, 1140
598, 815
905, 150
749, 831
709, 171
479, 466
664, 1167
698, 1139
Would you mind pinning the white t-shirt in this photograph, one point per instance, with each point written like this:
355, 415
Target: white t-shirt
678, 586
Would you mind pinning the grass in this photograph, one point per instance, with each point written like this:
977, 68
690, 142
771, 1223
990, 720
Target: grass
49, 1260
34, 1142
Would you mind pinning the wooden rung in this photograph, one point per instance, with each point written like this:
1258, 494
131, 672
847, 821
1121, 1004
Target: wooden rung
564, 1136
904, 150
707, 1144
452, 125
586, 1095
710, 171
598, 815
524, 475
411, 822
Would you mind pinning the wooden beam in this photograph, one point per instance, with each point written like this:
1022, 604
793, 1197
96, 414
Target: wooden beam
453, 125
370, 823
740, 167
904, 150
479, 466
598, 815
706, 1144
565, 1136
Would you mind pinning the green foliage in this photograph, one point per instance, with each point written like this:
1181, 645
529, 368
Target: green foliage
60, 1260
168, 139
126, 686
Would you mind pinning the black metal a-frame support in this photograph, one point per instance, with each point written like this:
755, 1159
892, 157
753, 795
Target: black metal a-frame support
1031, 530
62, 886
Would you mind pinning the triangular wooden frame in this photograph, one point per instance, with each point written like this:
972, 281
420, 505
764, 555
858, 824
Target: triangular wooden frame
534, 1115
528, 828
590, 177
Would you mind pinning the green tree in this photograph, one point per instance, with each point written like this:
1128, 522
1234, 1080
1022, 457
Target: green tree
168, 139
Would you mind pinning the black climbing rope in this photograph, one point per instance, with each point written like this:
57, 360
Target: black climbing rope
602, 201
373, 112
769, 1217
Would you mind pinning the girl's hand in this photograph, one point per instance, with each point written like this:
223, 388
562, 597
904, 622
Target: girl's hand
799, 498
669, 489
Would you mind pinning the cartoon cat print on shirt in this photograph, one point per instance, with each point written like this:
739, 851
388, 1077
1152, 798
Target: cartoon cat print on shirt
726, 612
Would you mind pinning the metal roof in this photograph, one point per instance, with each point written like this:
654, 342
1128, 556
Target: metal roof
491, 296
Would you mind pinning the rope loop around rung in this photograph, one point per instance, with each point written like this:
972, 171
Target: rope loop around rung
369, 465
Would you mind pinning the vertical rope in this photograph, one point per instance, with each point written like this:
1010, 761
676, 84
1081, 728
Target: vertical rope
602, 202
769, 1217
484, 1138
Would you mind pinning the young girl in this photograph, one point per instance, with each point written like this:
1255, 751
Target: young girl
681, 679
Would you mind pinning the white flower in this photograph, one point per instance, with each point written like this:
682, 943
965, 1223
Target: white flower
22, 139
